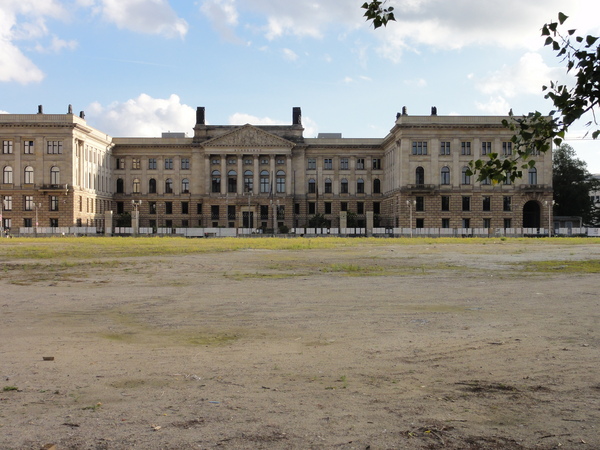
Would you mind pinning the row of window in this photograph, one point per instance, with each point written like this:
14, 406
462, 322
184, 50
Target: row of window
420, 148
7, 175
28, 203
311, 164
279, 160
360, 186
486, 203
52, 147
465, 177
168, 163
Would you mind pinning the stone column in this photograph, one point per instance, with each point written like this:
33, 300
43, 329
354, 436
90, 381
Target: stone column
369, 223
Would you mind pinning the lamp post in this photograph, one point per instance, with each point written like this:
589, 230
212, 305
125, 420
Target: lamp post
1, 218
549, 205
37, 206
410, 204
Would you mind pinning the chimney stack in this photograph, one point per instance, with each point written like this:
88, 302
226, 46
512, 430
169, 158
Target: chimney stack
200, 112
296, 116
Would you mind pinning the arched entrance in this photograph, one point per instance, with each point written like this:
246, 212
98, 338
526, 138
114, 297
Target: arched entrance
531, 215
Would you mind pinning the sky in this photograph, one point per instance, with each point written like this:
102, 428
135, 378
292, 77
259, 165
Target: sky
141, 67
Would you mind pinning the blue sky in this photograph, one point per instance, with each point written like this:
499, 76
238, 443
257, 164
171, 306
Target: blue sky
141, 67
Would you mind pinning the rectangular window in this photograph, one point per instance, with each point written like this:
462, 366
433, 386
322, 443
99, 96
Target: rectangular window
28, 202
420, 223
7, 203
152, 207
281, 212
7, 223
168, 207
419, 148
214, 212
487, 204
312, 208
327, 207
376, 207
169, 223
446, 223
344, 164
264, 212
445, 203
466, 204
311, 164
168, 163
198, 208
507, 223
152, 163
466, 223
185, 223
53, 223
360, 207
487, 223
344, 206
465, 148
376, 164
27, 222
28, 147
185, 163
185, 207
486, 148
360, 164
120, 207
136, 163
420, 205
296, 208
231, 212
444, 148
7, 147
53, 203
120, 163
507, 204
507, 148
328, 164
54, 147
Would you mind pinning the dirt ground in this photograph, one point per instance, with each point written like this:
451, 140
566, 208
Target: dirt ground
371, 347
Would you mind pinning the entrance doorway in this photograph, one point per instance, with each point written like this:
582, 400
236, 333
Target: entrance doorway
531, 215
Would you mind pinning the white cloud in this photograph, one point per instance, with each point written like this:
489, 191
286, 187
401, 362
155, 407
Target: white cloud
290, 55
142, 116
15, 66
57, 45
224, 16
144, 16
526, 77
495, 106
453, 25
243, 119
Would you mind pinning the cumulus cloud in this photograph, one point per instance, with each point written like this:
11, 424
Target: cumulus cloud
495, 106
21, 21
144, 16
289, 55
224, 16
527, 76
143, 116
57, 45
310, 127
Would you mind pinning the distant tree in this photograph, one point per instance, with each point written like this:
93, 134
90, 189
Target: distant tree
572, 184
318, 221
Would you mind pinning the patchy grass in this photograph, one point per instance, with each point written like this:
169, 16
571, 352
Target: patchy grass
582, 266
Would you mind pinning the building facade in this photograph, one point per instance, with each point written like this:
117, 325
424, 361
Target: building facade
57, 171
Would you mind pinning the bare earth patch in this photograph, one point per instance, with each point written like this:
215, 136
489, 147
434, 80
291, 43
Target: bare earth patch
390, 346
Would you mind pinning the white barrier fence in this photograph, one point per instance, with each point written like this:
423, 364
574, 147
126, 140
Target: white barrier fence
380, 232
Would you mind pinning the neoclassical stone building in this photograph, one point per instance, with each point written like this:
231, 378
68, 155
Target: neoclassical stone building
57, 171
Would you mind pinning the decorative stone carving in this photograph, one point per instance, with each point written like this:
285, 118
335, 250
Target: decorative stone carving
248, 136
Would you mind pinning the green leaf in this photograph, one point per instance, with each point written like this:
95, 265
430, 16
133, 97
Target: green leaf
562, 17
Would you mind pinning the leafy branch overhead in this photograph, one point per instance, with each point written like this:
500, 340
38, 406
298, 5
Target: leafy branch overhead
535, 132
377, 12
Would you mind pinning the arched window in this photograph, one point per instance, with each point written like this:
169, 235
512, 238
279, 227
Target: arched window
54, 175
376, 186
232, 181
216, 181
136, 185
185, 186
465, 178
28, 175
168, 186
328, 186
264, 182
248, 181
360, 186
7, 175
120, 186
419, 175
280, 181
486, 181
312, 186
445, 175
344, 186
151, 186
532, 175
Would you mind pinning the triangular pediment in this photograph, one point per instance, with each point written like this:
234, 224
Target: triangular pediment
248, 136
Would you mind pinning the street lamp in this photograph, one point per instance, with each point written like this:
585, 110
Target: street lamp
136, 216
549, 205
37, 206
410, 204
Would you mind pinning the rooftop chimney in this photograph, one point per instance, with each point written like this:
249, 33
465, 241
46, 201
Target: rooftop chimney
200, 120
82, 114
296, 116
40, 109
